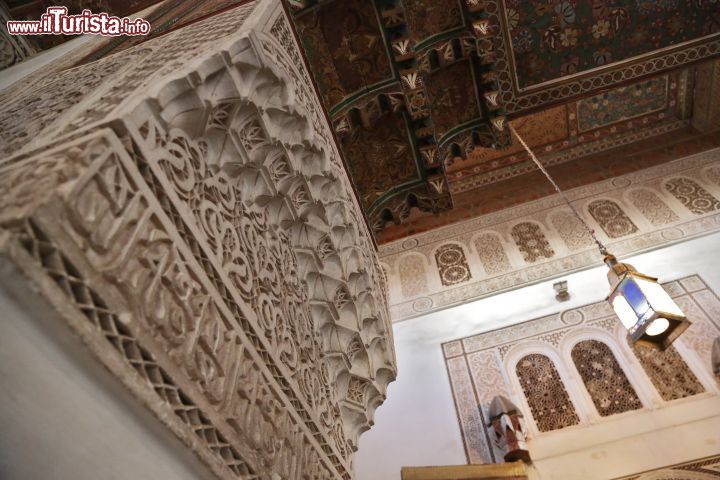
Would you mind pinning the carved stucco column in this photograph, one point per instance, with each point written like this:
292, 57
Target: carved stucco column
184, 208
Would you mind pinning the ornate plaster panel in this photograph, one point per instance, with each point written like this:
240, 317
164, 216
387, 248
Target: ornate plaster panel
549, 42
183, 207
538, 364
701, 469
675, 213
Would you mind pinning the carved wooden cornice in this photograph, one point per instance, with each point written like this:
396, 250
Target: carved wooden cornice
414, 59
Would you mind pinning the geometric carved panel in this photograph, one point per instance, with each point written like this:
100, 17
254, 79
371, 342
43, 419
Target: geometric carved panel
492, 254
693, 196
571, 230
548, 400
531, 242
671, 376
611, 218
452, 266
605, 381
652, 207
413, 281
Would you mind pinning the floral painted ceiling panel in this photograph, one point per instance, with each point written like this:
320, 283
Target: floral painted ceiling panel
404, 83
344, 44
427, 18
380, 158
618, 111
452, 96
622, 103
553, 39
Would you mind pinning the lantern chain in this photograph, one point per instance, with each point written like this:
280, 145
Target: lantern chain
600, 245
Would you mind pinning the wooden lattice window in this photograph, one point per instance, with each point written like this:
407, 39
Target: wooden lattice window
545, 393
671, 376
604, 380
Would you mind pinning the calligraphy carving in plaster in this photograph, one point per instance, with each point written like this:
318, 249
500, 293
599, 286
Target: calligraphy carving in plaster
233, 245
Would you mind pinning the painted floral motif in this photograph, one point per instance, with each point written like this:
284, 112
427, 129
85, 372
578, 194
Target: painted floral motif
345, 48
622, 103
430, 17
452, 94
620, 29
384, 148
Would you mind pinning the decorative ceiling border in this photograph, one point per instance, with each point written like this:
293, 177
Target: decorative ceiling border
470, 181
558, 236
515, 101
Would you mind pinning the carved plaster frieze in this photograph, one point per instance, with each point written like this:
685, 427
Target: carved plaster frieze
535, 364
184, 208
541, 239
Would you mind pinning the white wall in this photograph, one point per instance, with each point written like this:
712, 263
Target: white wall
62, 415
417, 425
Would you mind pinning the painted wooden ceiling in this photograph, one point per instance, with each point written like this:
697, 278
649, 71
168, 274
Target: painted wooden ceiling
420, 91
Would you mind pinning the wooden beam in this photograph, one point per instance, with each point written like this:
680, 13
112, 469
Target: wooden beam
505, 471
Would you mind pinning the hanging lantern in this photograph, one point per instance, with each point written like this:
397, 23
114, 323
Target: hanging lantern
643, 306
640, 302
